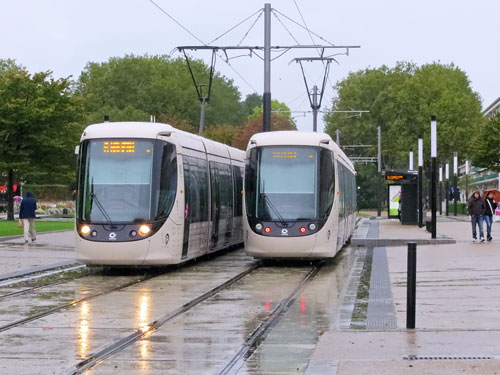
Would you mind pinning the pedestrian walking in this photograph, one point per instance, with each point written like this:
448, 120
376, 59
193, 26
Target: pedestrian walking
477, 208
27, 215
491, 206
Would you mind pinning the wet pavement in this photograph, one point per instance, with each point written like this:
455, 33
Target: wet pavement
349, 320
457, 306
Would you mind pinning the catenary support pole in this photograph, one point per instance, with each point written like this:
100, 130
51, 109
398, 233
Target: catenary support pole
315, 108
202, 116
411, 285
266, 112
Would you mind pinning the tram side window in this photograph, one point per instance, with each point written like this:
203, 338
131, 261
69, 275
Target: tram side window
341, 189
238, 186
168, 181
202, 171
193, 180
226, 189
327, 183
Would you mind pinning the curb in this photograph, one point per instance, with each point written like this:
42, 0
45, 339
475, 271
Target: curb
379, 242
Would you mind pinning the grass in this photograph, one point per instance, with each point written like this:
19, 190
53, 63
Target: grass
10, 228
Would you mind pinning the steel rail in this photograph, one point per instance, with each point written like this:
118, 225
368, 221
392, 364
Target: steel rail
37, 270
76, 302
262, 331
88, 272
138, 334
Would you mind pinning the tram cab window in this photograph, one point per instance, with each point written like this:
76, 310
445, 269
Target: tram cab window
327, 183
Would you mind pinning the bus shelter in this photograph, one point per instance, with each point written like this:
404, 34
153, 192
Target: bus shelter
402, 190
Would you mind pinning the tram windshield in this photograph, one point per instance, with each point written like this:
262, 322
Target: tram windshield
283, 183
126, 180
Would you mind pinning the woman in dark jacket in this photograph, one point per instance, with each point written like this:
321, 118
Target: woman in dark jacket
491, 205
476, 207
28, 215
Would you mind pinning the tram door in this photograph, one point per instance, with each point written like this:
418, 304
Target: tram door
222, 204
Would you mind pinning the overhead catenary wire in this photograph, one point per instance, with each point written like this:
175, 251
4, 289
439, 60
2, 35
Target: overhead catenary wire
312, 39
238, 24
202, 42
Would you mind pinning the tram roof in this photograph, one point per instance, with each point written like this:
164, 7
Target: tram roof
297, 138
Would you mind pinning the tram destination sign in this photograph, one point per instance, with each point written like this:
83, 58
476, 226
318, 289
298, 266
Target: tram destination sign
118, 147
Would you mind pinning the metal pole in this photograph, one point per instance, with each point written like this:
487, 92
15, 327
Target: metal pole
411, 285
420, 188
447, 187
455, 183
440, 190
337, 136
434, 174
202, 116
315, 108
379, 169
266, 115
411, 161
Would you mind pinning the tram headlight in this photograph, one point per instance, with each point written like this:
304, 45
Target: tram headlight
85, 230
258, 227
144, 230
312, 226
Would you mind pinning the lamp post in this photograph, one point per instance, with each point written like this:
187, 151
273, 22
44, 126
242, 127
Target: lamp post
379, 172
455, 183
440, 190
410, 167
434, 174
466, 180
420, 182
447, 186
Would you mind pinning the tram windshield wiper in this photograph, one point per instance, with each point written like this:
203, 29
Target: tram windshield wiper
271, 205
101, 208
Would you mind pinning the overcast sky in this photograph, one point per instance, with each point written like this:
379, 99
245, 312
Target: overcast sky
63, 35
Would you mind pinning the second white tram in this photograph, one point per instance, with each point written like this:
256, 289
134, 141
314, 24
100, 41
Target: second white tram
300, 196
149, 194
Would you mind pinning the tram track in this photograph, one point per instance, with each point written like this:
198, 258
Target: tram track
78, 301
140, 333
241, 355
36, 272
85, 272
262, 331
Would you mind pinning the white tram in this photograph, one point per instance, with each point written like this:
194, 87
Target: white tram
300, 196
149, 194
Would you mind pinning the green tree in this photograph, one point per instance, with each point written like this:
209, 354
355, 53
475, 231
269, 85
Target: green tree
278, 109
251, 101
37, 129
401, 100
485, 150
135, 87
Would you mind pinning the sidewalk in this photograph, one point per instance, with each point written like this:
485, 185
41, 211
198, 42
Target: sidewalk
49, 248
457, 310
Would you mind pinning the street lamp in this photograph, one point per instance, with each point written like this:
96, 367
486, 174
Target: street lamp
455, 183
420, 182
434, 174
440, 190
447, 187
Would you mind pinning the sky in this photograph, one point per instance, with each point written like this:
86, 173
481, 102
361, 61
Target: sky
63, 36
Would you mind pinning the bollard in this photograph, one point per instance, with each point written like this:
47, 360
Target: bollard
411, 283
